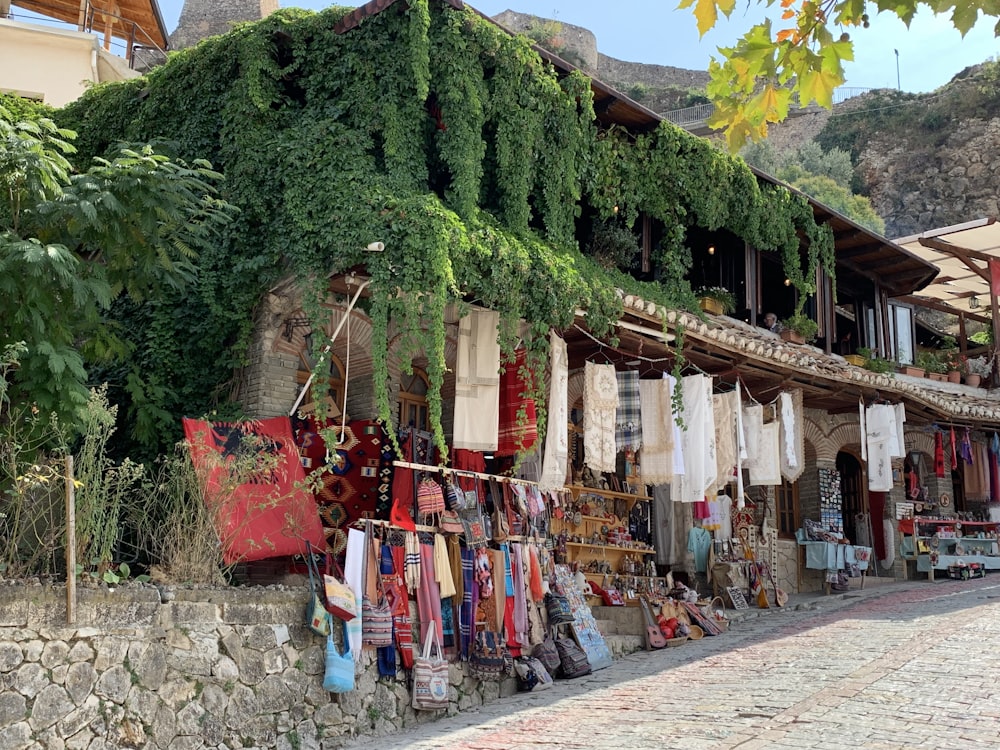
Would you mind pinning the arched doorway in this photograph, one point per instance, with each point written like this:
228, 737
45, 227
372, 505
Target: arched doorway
854, 497
413, 399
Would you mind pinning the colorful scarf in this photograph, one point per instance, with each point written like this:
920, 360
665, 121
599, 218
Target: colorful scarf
628, 427
518, 422
402, 625
939, 455
387, 654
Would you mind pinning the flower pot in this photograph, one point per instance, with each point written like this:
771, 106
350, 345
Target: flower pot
938, 377
972, 380
911, 370
710, 305
954, 376
793, 337
855, 359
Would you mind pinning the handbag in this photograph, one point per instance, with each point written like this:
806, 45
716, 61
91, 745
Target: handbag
430, 497
500, 524
430, 675
450, 523
573, 660
338, 675
317, 618
559, 610
376, 617
532, 676
547, 654
340, 599
489, 660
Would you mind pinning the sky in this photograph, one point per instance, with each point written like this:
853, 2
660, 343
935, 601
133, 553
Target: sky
930, 52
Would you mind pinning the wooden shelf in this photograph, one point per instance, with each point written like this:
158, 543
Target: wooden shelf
577, 490
614, 547
599, 519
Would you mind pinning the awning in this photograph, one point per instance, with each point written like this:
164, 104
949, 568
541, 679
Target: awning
962, 253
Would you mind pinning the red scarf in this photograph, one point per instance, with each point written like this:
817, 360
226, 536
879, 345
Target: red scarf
939, 455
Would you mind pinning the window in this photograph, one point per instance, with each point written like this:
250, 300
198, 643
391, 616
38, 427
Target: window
413, 399
901, 338
334, 381
786, 504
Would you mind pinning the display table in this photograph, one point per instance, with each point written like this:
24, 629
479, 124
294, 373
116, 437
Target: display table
831, 556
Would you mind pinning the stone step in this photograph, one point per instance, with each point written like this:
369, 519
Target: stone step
620, 645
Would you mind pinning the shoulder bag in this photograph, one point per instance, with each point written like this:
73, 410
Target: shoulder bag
532, 676
338, 676
430, 675
572, 659
340, 600
547, 654
558, 608
430, 497
376, 617
489, 660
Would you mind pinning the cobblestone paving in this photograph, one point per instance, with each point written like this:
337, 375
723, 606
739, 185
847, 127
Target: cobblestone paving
914, 665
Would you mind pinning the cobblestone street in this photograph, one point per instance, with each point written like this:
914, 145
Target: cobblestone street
910, 665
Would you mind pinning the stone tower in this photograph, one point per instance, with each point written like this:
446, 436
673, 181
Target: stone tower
204, 18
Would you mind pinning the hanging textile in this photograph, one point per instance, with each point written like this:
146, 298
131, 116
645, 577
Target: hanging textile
879, 420
356, 558
628, 424
600, 401
428, 594
698, 441
442, 568
678, 432
387, 654
657, 431
518, 424
954, 451
724, 411
977, 475
268, 515
792, 435
741, 449
477, 381
401, 621
994, 471
767, 470
520, 599
863, 422
469, 599
965, 447
556, 435
938, 454
412, 561
383, 491
720, 518
753, 426
899, 417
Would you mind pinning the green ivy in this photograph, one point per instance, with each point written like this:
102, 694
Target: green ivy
454, 143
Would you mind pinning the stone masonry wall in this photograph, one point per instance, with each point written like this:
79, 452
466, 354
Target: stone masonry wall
181, 669
204, 18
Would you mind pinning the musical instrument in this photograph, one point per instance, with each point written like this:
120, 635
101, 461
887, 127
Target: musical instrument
654, 637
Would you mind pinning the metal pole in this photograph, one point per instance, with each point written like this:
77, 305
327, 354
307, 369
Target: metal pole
70, 543
898, 87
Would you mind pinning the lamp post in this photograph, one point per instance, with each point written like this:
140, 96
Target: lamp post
898, 88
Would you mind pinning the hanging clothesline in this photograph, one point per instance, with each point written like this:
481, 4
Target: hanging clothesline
360, 524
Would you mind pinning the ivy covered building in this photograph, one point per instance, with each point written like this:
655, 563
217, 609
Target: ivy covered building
422, 157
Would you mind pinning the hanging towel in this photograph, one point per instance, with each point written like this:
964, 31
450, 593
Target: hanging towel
600, 401
792, 435
556, 435
428, 595
767, 470
698, 440
477, 381
753, 425
899, 411
938, 454
724, 411
442, 568
412, 561
518, 424
657, 431
864, 429
741, 452
357, 555
628, 427
678, 432
879, 421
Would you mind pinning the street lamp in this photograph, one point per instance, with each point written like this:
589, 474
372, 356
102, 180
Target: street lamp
898, 88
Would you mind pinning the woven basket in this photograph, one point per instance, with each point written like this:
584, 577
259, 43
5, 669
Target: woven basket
696, 633
674, 642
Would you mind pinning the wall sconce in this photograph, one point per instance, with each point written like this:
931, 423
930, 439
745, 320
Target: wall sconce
973, 302
711, 249
788, 282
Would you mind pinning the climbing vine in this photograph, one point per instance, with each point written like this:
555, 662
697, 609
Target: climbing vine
455, 144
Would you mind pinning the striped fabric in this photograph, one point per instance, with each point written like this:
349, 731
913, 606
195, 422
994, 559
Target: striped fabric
518, 426
387, 654
468, 605
411, 565
401, 611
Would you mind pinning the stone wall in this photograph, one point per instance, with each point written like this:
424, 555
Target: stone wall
204, 18
181, 669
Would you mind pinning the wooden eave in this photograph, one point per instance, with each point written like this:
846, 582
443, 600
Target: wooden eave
145, 14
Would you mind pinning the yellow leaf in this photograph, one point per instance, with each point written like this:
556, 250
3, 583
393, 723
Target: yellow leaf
706, 12
818, 86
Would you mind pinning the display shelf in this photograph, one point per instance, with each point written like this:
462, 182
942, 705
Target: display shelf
922, 538
613, 547
578, 489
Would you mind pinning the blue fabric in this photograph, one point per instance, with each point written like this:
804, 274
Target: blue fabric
467, 614
699, 544
386, 654
508, 575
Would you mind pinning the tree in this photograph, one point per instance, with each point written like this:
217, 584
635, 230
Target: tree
823, 175
73, 242
755, 81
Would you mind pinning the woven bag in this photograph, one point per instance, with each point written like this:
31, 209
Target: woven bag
430, 496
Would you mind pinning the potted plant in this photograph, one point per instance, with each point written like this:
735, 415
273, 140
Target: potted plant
858, 360
799, 328
875, 363
716, 300
927, 362
952, 359
978, 369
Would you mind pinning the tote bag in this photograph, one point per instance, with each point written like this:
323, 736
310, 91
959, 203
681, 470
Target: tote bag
317, 619
430, 675
340, 600
338, 676
376, 617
